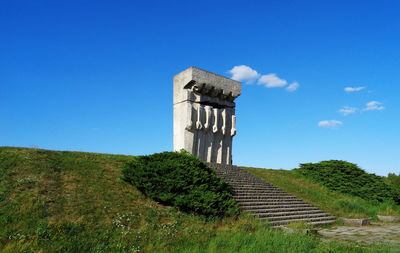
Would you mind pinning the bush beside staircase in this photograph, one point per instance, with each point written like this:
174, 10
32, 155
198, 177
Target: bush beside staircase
268, 202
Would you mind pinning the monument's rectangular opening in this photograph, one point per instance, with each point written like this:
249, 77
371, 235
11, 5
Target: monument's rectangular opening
213, 105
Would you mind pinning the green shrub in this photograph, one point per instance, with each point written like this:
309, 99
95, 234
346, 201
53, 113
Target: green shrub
394, 179
348, 178
182, 180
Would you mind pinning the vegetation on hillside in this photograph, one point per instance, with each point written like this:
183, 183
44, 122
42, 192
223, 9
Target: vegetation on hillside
393, 179
182, 180
348, 178
334, 202
55, 201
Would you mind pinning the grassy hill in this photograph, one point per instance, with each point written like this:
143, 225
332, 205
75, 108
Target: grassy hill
52, 201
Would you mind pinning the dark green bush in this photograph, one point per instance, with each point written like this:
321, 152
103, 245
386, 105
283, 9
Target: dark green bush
182, 180
348, 178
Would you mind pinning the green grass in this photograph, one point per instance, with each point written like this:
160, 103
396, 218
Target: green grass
55, 201
336, 203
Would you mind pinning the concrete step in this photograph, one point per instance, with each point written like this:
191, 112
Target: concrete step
244, 203
321, 223
265, 197
249, 187
235, 173
247, 182
233, 184
276, 206
279, 209
242, 178
239, 176
266, 202
295, 216
311, 221
263, 193
259, 191
269, 191
290, 213
255, 189
234, 181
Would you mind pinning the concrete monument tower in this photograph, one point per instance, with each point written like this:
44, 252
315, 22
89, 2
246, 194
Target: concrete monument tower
204, 114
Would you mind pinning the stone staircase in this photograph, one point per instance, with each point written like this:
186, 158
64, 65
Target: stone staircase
268, 202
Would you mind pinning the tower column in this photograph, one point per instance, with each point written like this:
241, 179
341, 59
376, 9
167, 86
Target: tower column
204, 114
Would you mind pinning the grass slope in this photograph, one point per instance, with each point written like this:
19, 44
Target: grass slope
336, 203
55, 201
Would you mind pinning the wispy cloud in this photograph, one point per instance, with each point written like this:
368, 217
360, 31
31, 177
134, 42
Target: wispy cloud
374, 106
248, 75
353, 89
347, 110
271, 81
332, 124
293, 86
244, 73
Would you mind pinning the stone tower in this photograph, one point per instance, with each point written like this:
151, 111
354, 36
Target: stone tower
204, 114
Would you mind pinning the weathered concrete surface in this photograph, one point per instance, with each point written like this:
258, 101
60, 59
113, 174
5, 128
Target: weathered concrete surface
217, 86
377, 232
389, 218
357, 222
204, 114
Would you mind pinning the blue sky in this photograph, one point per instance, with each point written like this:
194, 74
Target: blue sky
96, 76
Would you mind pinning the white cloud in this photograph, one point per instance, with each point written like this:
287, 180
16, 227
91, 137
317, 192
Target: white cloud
293, 86
353, 89
347, 110
271, 81
374, 106
248, 75
330, 123
244, 73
